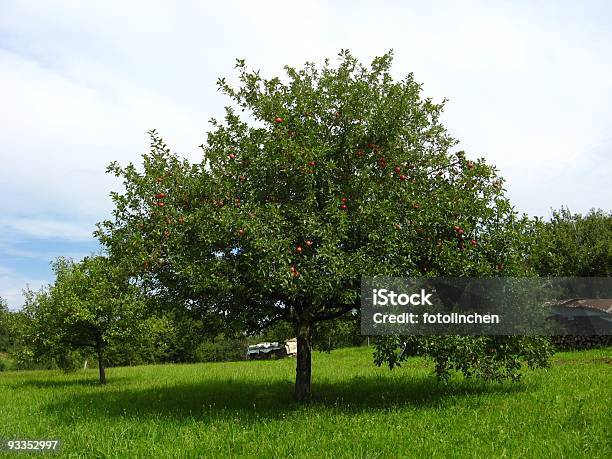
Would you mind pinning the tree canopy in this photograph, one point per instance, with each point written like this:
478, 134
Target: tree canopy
309, 183
90, 305
574, 245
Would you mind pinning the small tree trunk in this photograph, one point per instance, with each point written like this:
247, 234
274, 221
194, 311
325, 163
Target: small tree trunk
304, 363
101, 369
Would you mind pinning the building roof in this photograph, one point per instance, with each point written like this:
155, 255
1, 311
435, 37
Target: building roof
601, 304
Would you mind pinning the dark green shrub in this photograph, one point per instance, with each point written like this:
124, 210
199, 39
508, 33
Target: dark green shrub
221, 349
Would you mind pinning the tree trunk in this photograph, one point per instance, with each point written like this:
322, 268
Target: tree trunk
100, 351
304, 363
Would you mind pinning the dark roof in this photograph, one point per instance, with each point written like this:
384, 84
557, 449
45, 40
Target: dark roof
603, 304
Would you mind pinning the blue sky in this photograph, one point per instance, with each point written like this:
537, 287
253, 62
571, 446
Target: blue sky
528, 84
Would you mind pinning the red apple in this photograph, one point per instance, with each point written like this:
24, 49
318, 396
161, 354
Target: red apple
402, 177
299, 249
241, 232
473, 242
398, 169
344, 200
278, 119
308, 242
160, 195
231, 156
312, 163
456, 228
344, 207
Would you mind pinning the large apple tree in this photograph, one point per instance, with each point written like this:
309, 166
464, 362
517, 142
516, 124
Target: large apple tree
310, 182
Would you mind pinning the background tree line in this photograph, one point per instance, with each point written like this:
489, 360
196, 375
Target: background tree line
171, 337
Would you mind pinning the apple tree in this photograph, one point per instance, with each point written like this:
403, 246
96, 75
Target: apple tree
90, 305
310, 182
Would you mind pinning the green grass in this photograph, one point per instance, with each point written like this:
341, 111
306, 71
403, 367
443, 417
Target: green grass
245, 409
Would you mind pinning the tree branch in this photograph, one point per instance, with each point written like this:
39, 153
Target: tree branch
332, 315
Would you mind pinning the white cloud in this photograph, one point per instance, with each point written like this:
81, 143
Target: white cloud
12, 285
47, 229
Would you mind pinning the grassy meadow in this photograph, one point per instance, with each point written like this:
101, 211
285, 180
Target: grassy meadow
358, 410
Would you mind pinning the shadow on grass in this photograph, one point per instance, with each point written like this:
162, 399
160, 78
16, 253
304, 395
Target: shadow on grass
61, 383
212, 400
